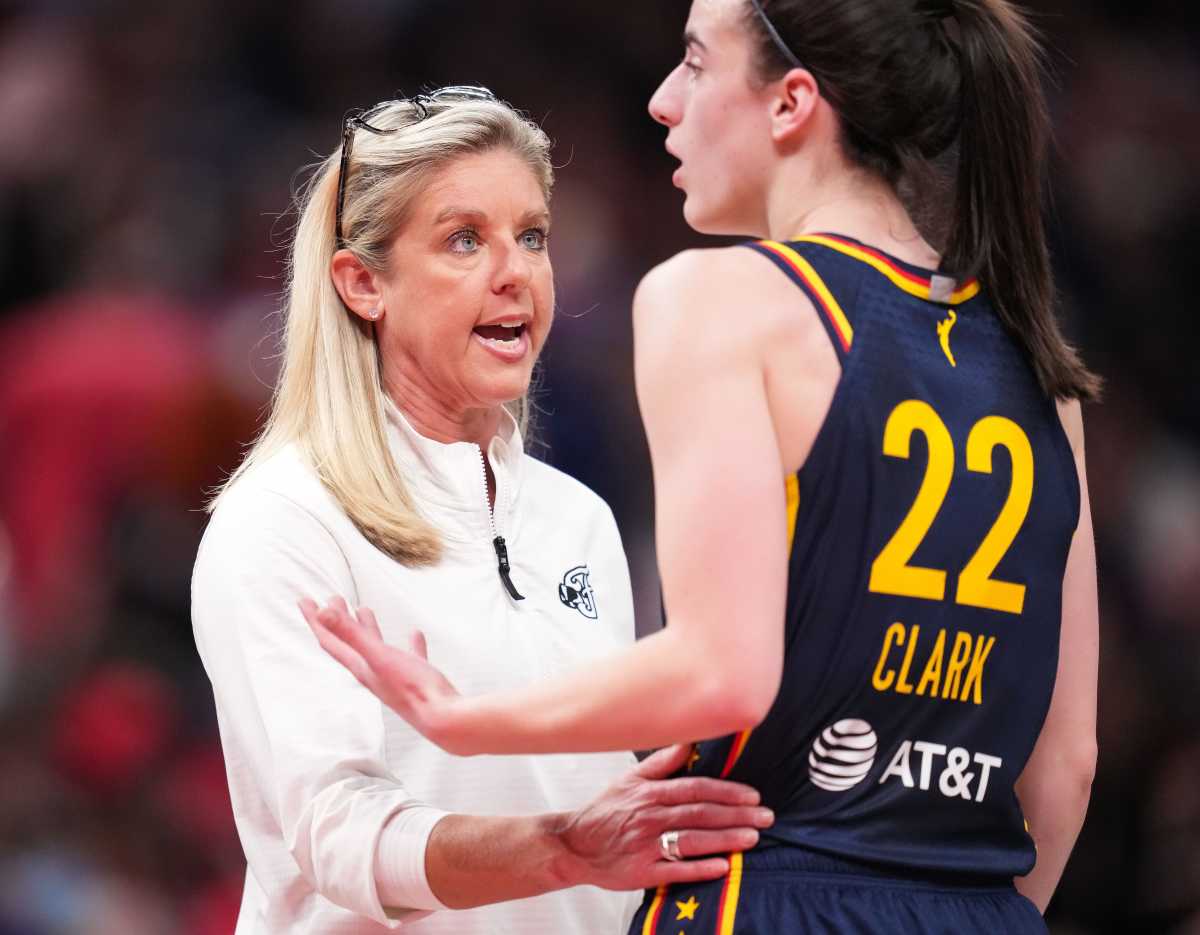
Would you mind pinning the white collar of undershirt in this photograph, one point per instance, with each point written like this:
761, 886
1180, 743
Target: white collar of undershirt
447, 479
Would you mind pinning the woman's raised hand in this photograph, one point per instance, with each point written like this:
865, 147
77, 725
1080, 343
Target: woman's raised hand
402, 680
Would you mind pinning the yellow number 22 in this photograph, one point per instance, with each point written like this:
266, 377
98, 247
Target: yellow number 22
891, 573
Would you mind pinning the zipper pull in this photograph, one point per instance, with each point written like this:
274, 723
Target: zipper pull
502, 557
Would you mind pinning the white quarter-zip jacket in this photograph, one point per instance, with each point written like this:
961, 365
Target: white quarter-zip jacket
334, 794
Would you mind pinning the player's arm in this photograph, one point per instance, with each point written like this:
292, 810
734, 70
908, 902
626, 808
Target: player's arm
722, 549
1056, 785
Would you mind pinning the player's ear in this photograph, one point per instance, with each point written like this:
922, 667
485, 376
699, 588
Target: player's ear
793, 101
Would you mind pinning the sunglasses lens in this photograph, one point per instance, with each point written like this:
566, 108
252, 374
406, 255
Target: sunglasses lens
464, 92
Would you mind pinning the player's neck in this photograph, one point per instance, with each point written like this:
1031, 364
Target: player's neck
834, 198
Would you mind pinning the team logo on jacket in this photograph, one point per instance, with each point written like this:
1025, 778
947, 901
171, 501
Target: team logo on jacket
843, 755
576, 591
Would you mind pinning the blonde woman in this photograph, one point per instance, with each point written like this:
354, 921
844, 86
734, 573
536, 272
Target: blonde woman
391, 473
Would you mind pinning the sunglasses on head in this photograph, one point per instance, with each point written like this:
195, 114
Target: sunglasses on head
361, 120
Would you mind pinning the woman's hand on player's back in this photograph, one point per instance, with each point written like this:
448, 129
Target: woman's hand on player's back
616, 836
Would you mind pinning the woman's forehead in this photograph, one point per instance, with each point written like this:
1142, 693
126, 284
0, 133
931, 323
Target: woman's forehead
496, 180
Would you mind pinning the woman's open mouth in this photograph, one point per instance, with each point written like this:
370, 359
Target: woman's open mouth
507, 340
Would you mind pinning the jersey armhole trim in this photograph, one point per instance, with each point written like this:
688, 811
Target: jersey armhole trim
802, 273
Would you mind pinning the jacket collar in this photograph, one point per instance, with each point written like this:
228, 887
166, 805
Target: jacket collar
447, 481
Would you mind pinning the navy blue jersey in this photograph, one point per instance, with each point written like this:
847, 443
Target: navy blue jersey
929, 532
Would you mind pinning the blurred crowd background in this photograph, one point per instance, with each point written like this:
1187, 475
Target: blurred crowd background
148, 152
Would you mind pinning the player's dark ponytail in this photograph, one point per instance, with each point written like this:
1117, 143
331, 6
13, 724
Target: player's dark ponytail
909, 80
998, 229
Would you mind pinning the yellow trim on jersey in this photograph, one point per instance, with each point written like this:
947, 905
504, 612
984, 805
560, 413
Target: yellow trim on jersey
651, 922
793, 508
806, 270
729, 899
735, 751
964, 294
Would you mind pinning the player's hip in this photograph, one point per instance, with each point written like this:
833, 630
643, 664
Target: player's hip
778, 890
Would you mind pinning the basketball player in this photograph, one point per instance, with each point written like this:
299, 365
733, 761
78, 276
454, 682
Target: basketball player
873, 523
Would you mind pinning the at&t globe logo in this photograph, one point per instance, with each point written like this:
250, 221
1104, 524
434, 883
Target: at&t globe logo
843, 755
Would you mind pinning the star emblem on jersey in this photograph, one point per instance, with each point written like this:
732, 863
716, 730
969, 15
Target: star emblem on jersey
576, 591
843, 755
687, 910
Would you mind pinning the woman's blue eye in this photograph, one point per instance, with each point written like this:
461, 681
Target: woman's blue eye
534, 239
465, 241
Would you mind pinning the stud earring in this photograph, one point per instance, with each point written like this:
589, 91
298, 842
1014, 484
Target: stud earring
374, 314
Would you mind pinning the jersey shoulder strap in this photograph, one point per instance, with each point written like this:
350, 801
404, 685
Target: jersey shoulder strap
832, 271
831, 285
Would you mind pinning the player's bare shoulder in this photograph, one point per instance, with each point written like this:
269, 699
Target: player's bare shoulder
728, 291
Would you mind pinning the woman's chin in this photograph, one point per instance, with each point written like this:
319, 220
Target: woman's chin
496, 390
